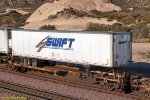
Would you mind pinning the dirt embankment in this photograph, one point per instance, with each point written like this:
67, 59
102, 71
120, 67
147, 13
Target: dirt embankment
71, 23
43, 12
141, 51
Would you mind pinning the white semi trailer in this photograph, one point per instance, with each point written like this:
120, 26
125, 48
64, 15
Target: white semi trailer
106, 49
3, 41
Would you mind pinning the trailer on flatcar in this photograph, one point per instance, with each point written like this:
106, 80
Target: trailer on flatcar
31, 49
26, 50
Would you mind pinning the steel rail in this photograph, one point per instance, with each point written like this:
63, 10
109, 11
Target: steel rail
35, 92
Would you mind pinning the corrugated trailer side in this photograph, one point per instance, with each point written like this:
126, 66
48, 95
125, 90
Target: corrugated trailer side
74, 47
4, 41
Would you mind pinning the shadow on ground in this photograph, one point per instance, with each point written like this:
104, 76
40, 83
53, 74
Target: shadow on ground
141, 68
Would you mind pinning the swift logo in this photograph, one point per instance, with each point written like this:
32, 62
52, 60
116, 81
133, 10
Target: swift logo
122, 42
56, 43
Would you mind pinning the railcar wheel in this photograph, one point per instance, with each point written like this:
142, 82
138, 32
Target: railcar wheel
111, 86
34, 62
23, 69
18, 69
104, 85
118, 88
146, 93
11, 67
26, 62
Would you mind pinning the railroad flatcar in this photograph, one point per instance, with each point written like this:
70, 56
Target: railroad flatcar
26, 50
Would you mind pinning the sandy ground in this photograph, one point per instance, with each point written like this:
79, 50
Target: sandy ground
141, 47
69, 23
138, 48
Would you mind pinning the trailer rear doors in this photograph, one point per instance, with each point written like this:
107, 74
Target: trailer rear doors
122, 49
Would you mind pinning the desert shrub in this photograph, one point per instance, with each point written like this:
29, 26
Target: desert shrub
13, 19
21, 21
136, 14
141, 40
102, 27
147, 8
52, 17
73, 11
140, 31
48, 27
96, 27
117, 27
95, 12
113, 15
6, 21
146, 18
128, 20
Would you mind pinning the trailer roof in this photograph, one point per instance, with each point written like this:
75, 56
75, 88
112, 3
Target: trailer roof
63, 31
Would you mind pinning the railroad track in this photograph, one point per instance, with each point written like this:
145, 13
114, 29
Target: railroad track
78, 83
41, 94
35, 92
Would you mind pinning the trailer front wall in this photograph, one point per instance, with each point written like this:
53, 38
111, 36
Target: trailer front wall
3, 41
72, 47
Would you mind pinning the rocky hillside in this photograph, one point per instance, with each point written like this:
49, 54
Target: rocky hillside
66, 15
135, 4
25, 3
86, 6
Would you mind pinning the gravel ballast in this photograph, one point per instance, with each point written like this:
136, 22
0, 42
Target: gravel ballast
6, 95
59, 88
